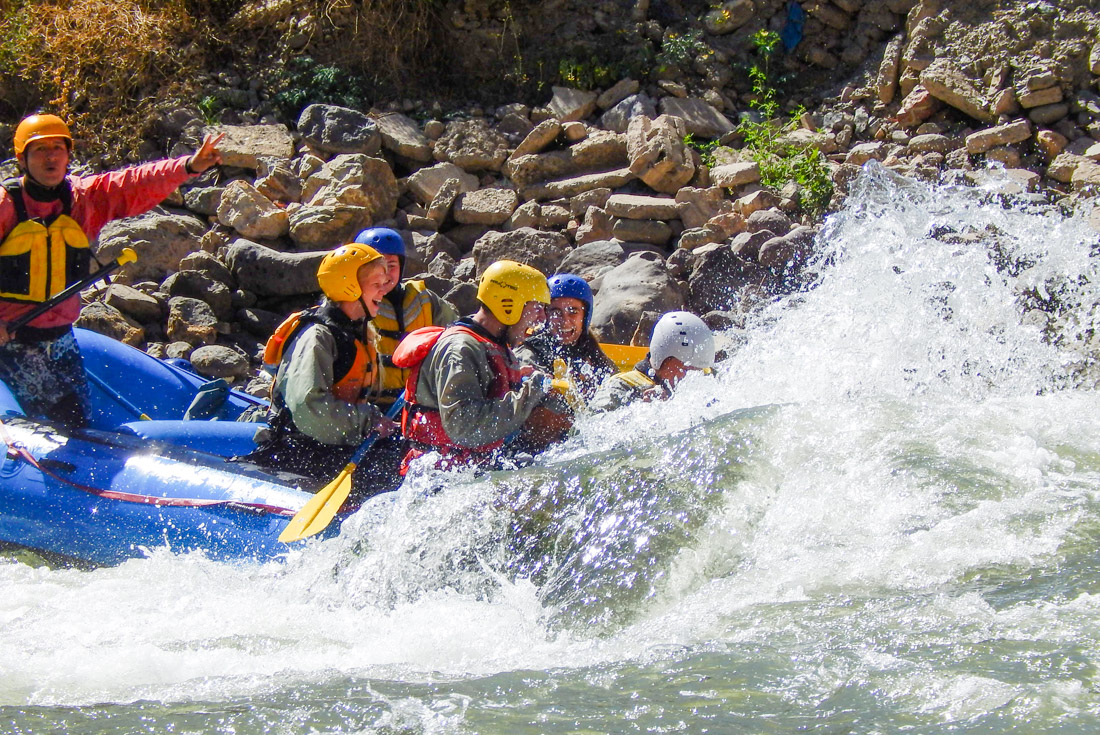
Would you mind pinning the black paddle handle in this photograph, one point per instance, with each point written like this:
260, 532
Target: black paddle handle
23, 319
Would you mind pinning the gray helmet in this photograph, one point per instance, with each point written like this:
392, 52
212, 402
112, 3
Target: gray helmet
682, 335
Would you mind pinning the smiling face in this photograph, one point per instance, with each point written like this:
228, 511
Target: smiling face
567, 319
46, 160
374, 280
393, 270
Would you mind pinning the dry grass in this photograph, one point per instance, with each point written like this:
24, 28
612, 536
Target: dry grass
90, 60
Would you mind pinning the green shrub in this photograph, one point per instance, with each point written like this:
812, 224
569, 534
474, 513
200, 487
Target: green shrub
304, 82
763, 136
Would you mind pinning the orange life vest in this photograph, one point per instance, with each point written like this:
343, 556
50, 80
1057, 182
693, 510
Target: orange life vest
354, 365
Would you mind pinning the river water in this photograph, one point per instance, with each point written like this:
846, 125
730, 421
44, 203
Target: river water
880, 516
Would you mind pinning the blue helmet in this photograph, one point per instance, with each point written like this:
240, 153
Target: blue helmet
385, 241
569, 286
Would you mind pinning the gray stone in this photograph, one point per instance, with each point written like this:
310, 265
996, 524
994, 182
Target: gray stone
402, 135
160, 241
425, 183
590, 259
216, 361
356, 180
658, 154
619, 116
107, 320
542, 250
718, 275
198, 285
142, 307
328, 226
769, 219
577, 184
209, 264
983, 140
191, 321
636, 206
244, 145
1048, 114
653, 232
733, 175
641, 283
617, 93
250, 213
570, 104
485, 206
268, 272
543, 134
472, 146
728, 16
700, 118
948, 83
335, 129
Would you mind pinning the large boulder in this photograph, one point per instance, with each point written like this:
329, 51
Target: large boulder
658, 154
160, 241
244, 209
718, 274
268, 272
472, 146
244, 145
191, 321
426, 182
335, 129
641, 283
593, 259
356, 180
401, 135
198, 285
543, 250
107, 320
328, 225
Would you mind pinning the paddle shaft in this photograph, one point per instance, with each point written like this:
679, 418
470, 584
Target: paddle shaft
106, 388
22, 320
316, 514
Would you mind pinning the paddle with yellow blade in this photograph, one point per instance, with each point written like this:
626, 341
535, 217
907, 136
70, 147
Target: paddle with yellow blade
315, 515
126, 256
625, 357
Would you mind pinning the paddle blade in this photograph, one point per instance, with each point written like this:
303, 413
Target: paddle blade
315, 515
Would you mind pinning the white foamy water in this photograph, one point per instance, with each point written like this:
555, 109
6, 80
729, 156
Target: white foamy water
880, 514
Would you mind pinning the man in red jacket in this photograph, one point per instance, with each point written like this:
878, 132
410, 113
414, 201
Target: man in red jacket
47, 220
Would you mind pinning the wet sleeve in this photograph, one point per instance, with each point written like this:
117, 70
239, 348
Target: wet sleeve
463, 379
307, 378
613, 393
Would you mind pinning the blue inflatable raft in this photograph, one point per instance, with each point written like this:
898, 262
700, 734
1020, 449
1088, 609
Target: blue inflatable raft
126, 485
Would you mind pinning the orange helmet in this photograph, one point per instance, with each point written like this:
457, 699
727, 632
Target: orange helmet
39, 127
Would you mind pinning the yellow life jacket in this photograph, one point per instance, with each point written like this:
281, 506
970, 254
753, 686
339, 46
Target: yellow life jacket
416, 312
40, 257
636, 379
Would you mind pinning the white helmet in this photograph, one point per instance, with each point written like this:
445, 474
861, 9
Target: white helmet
682, 335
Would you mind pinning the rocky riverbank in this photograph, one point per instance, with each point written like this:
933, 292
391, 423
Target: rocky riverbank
607, 183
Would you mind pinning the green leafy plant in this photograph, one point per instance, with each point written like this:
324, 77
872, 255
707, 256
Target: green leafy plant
209, 107
304, 82
679, 49
764, 133
706, 148
586, 75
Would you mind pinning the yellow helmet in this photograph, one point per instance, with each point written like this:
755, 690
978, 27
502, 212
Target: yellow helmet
506, 286
38, 127
338, 274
